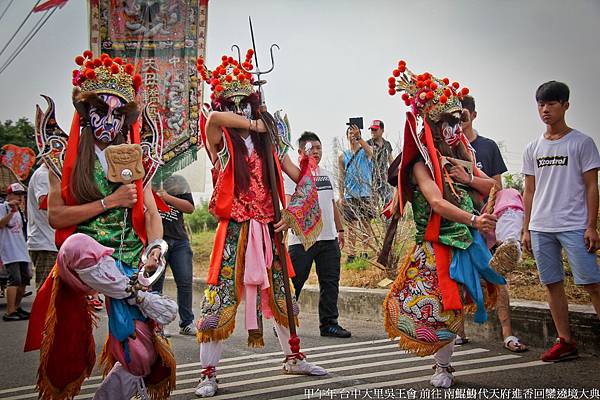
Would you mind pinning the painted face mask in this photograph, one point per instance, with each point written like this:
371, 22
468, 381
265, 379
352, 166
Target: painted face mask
240, 106
107, 124
451, 133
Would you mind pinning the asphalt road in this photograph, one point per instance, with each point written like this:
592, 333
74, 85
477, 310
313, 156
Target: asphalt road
367, 366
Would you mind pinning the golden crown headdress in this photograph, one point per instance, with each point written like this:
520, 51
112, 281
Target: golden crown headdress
427, 95
106, 75
230, 79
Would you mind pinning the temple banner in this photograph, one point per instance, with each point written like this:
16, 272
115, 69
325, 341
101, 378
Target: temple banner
163, 39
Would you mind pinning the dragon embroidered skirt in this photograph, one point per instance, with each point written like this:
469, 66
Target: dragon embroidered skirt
221, 301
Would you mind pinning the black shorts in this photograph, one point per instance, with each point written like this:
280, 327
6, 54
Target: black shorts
362, 208
18, 273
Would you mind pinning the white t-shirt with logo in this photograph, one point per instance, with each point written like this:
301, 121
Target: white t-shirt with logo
13, 247
559, 201
324, 181
40, 233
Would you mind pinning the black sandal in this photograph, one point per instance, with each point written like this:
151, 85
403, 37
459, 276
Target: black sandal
14, 317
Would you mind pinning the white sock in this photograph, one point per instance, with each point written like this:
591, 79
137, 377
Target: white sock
283, 334
210, 353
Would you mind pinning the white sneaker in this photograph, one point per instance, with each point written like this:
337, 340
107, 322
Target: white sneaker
302, 367
207, 387
188, 330
442, 377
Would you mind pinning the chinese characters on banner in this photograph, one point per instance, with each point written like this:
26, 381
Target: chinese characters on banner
163, 40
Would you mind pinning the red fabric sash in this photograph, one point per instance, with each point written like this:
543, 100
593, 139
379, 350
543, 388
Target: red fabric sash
37, 319
226, 192
443, 256
160, 203
68, 351
69, 164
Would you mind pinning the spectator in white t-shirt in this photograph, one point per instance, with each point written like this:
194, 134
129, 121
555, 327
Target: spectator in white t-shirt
561, 210
326, 251
40, 241
13, 249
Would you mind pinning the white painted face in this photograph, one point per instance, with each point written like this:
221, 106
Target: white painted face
451, 129
240, 106
107, 124
451, 134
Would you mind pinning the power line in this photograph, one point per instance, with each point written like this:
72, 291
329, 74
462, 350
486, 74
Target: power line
25, 39
6, 9
13, 57
19, 28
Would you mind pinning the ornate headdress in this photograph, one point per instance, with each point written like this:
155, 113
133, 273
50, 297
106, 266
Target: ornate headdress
230, 80
427, 95
106, 75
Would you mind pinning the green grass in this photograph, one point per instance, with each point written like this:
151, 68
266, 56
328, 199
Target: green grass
358, 264
202, 244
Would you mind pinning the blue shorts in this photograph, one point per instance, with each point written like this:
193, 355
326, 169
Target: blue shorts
546, 247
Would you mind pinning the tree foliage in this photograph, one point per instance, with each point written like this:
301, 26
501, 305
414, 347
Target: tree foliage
20, 133
201, 219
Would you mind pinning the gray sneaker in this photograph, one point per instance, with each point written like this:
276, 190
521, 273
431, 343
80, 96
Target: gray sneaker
188, 330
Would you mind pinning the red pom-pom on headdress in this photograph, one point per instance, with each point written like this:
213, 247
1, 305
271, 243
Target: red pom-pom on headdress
428, 96
90, 74
88, 54
114, 69
107, 62
118, 60
79, 60
129, 69
137, 81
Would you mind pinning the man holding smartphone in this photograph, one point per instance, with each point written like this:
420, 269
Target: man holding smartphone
356, 167
14, 251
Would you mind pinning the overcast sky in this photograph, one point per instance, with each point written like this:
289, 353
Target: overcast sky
336, 57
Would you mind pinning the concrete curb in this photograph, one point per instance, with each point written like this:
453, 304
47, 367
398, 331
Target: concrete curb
531, 320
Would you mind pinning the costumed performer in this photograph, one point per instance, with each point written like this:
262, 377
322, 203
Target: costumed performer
245, 261
98, 187
441, 277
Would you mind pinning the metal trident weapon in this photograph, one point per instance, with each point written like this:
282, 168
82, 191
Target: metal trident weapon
294, 339
257, 72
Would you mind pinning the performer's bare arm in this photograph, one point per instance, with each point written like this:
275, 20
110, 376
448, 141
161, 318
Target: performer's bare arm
482, 183
154, 228
290, 168
427, 186
62, 216
218, 119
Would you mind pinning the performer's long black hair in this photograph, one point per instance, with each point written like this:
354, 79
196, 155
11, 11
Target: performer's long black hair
83, 185
259, 140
